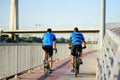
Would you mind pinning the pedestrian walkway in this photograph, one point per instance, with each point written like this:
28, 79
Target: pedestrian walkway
62, 70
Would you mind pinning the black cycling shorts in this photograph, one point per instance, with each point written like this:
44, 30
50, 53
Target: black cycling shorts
75, 49
48, 49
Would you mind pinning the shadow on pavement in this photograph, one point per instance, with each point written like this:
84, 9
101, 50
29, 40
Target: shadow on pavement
58, 67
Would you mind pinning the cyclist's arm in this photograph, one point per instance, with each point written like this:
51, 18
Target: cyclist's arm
54, 41
70, 42
84, 43
54, 44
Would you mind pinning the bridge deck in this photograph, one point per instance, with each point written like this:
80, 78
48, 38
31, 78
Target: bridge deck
62, 70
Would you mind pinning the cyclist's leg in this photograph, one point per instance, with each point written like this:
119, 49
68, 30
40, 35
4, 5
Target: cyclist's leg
80, 53
51, 56
73, 48
51, 62
72, 63
80, 58
79, 48
45, 52
72, 60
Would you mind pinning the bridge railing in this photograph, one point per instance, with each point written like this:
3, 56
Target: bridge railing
16, 58
109, 58
19, 57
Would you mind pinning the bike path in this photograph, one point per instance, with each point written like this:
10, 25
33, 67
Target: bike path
87, 70
62, 70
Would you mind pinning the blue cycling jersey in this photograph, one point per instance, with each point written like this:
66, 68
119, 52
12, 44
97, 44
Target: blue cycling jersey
76, 38
48, 39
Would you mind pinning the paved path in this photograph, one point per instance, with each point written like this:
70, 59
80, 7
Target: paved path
87, 70
62, 70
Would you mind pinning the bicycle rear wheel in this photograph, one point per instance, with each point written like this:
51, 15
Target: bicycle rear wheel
78, 65
75, 67
46, 66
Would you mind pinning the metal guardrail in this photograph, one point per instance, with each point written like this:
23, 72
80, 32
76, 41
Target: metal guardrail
16, 58
108, 59
19, 57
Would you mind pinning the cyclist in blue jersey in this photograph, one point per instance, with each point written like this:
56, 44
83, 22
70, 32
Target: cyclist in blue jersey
48, 44
76, 42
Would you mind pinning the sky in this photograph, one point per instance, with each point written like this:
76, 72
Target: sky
59, 14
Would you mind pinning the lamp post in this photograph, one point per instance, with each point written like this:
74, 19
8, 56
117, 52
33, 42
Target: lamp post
40, 26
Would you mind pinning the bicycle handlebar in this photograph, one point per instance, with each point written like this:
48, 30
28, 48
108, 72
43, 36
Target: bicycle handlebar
55, 50
84, 47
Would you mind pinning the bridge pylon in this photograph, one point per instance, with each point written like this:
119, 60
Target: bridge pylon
14, 21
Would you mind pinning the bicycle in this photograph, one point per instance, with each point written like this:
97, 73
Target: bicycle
76, 62
46, 64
